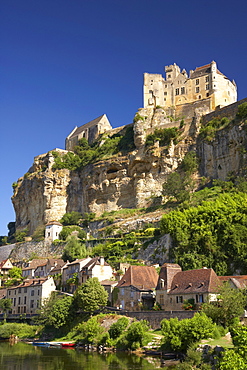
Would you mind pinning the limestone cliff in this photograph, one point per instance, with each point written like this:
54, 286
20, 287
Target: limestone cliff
129, 181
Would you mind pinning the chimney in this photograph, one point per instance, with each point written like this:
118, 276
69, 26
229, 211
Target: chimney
167, 273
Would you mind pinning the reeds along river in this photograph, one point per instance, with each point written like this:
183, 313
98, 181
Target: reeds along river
23, 356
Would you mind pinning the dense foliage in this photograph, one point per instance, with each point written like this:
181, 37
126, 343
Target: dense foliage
91, 295
213, 234
74, 249
163, 136
85, 153
21, 330
229, 306
180, 335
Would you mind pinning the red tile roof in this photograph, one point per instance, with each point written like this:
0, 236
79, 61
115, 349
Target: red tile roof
141, 277
195, 281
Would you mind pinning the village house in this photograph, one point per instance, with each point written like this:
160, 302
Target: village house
96, 267
5, 266
40, 267
136, 289
71, 271
52, 231
28, 296
176, 286
109, 286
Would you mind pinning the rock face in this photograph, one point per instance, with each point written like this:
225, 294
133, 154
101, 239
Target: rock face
131, 181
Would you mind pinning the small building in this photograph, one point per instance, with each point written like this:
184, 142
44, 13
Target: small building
96, 267
89, 131
136, 289
29, 295
72, 270
5, 266
52, 231
109, 286
176, 286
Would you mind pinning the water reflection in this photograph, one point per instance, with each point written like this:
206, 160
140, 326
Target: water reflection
22, 356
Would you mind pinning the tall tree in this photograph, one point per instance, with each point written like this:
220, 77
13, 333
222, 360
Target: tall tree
5, 305
91, 295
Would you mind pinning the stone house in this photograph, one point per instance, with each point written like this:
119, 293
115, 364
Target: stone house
40, 267
137, 288
29, 295
236, 282
205, 83
71, 270
109, 286
52, 231
89, 131
5, 266
175, 286
96, 267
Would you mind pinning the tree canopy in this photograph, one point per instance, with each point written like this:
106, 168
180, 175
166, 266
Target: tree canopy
91, 295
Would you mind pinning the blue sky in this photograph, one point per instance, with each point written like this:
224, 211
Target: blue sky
66, 62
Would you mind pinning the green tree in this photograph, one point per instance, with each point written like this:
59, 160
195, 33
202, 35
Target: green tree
180, 335
228, 308
71, 218
15, 273
5, 305
74, 249
91, 295
56, 311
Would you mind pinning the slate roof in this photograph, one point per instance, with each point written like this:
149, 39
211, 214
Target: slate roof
195, 281
93, 262
203, 70
82, 128
141, 277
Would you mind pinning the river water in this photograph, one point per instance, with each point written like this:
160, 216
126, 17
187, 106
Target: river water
23, 356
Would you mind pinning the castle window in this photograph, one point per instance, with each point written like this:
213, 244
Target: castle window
177, 91
207, 79
182, 90
164, 99
168, 76
165, 86
207, 86
165, 93
199, 97
197, 90
150, 91
197, 81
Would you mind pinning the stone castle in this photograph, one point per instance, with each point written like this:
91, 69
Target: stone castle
204, 83
205, 90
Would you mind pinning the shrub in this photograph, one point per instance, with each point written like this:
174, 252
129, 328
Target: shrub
164, 136
242, 110
21, 330
91, 331
118, 327
136, 335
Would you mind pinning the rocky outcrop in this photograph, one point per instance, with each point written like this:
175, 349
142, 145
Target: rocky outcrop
157, 251
224, 155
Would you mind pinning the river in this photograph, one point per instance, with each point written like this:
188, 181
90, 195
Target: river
23, 356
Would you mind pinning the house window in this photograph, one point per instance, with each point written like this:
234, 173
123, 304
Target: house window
19, 310
207, 86
19, 290
49, 234
14, 301
177, 91
32, 304
25, 300
19, 300
182, 90
179, 299
197, 81
32, 292
199, 298
38, 292
37, 303
24, 309
207, 79
197, 89
25, 290
9, 292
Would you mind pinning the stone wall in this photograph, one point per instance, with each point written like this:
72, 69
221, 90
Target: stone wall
32, 249
155, 317
228, 111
